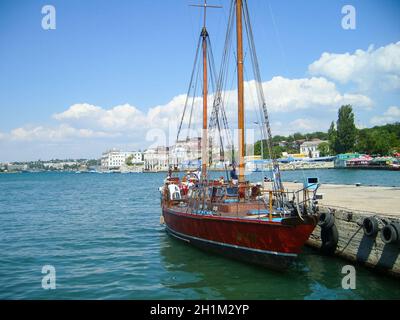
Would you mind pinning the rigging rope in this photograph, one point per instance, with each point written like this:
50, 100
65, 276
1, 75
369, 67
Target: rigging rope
189, 90
277, 183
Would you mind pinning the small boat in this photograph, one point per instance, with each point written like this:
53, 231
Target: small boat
262, 225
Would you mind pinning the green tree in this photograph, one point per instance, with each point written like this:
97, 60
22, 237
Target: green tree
346, 130
378, 140
128, 160
382, 142
298, 136
323, 149
277, 150
332, 134
364, 141
93, 162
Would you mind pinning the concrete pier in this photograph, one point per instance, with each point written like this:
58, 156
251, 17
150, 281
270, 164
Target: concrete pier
350, 205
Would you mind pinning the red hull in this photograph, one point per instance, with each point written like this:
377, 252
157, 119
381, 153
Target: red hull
273, 244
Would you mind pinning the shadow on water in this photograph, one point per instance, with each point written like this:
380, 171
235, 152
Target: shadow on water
312, 276
365, 248
389, 256
211, 276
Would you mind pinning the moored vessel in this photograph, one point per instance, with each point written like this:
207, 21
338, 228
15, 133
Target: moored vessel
261, 224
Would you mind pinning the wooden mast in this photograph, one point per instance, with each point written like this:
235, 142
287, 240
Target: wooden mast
240, 78
204, 137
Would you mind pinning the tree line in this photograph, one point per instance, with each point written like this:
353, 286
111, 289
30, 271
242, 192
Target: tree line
342, 137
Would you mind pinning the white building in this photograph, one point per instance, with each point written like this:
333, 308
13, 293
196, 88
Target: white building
17, 167
185, 152
59, 165
310, 148
115, 159
156, 159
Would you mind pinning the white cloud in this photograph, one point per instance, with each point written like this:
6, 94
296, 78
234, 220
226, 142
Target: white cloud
127, 124
119, 117
285, 95
302, 125
60, 133
365, 68
79, 111
391, 115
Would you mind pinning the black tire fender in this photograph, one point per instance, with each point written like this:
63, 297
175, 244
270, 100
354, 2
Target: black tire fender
330, 239
326, 220
390, 233
396, 225
370, 226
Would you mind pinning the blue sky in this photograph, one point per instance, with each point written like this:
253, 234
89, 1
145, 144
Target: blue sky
139, 54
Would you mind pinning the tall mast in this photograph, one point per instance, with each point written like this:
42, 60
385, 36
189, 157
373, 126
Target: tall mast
204, 138
239, 31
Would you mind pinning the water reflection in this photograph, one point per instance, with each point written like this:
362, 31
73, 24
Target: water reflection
312, 276
214, 277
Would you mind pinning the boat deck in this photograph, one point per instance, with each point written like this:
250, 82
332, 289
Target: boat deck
244, 210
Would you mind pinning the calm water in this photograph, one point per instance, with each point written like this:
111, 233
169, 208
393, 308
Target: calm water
102, 234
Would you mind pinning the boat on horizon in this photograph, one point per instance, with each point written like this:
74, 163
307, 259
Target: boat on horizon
265, 225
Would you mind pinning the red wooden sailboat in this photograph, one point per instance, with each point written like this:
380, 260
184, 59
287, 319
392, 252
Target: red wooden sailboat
266, 226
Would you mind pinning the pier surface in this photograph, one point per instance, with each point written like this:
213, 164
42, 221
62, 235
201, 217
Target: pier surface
367, 199
350, 205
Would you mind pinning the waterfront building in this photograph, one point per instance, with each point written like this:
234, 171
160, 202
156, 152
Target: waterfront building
60, 165
310, 148
114, 159
156, 159
185, 153
363, 160
17, 167
341, 159
177, 154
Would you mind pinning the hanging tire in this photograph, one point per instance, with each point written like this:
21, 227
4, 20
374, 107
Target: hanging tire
326, 220
370, 226
330, 239
396, 225
391, 233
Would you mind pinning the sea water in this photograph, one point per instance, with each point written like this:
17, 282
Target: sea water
102, 235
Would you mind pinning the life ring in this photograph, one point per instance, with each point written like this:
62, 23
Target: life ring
330, 239
326, 220
370, 226
391, 233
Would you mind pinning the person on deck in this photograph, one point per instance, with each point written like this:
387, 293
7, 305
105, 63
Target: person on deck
266, 183
234, 176
198, 174
169, 175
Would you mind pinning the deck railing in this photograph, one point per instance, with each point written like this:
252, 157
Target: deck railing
275, 202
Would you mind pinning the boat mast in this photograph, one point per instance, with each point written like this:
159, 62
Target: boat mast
204, 35
204, 138
239, 31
